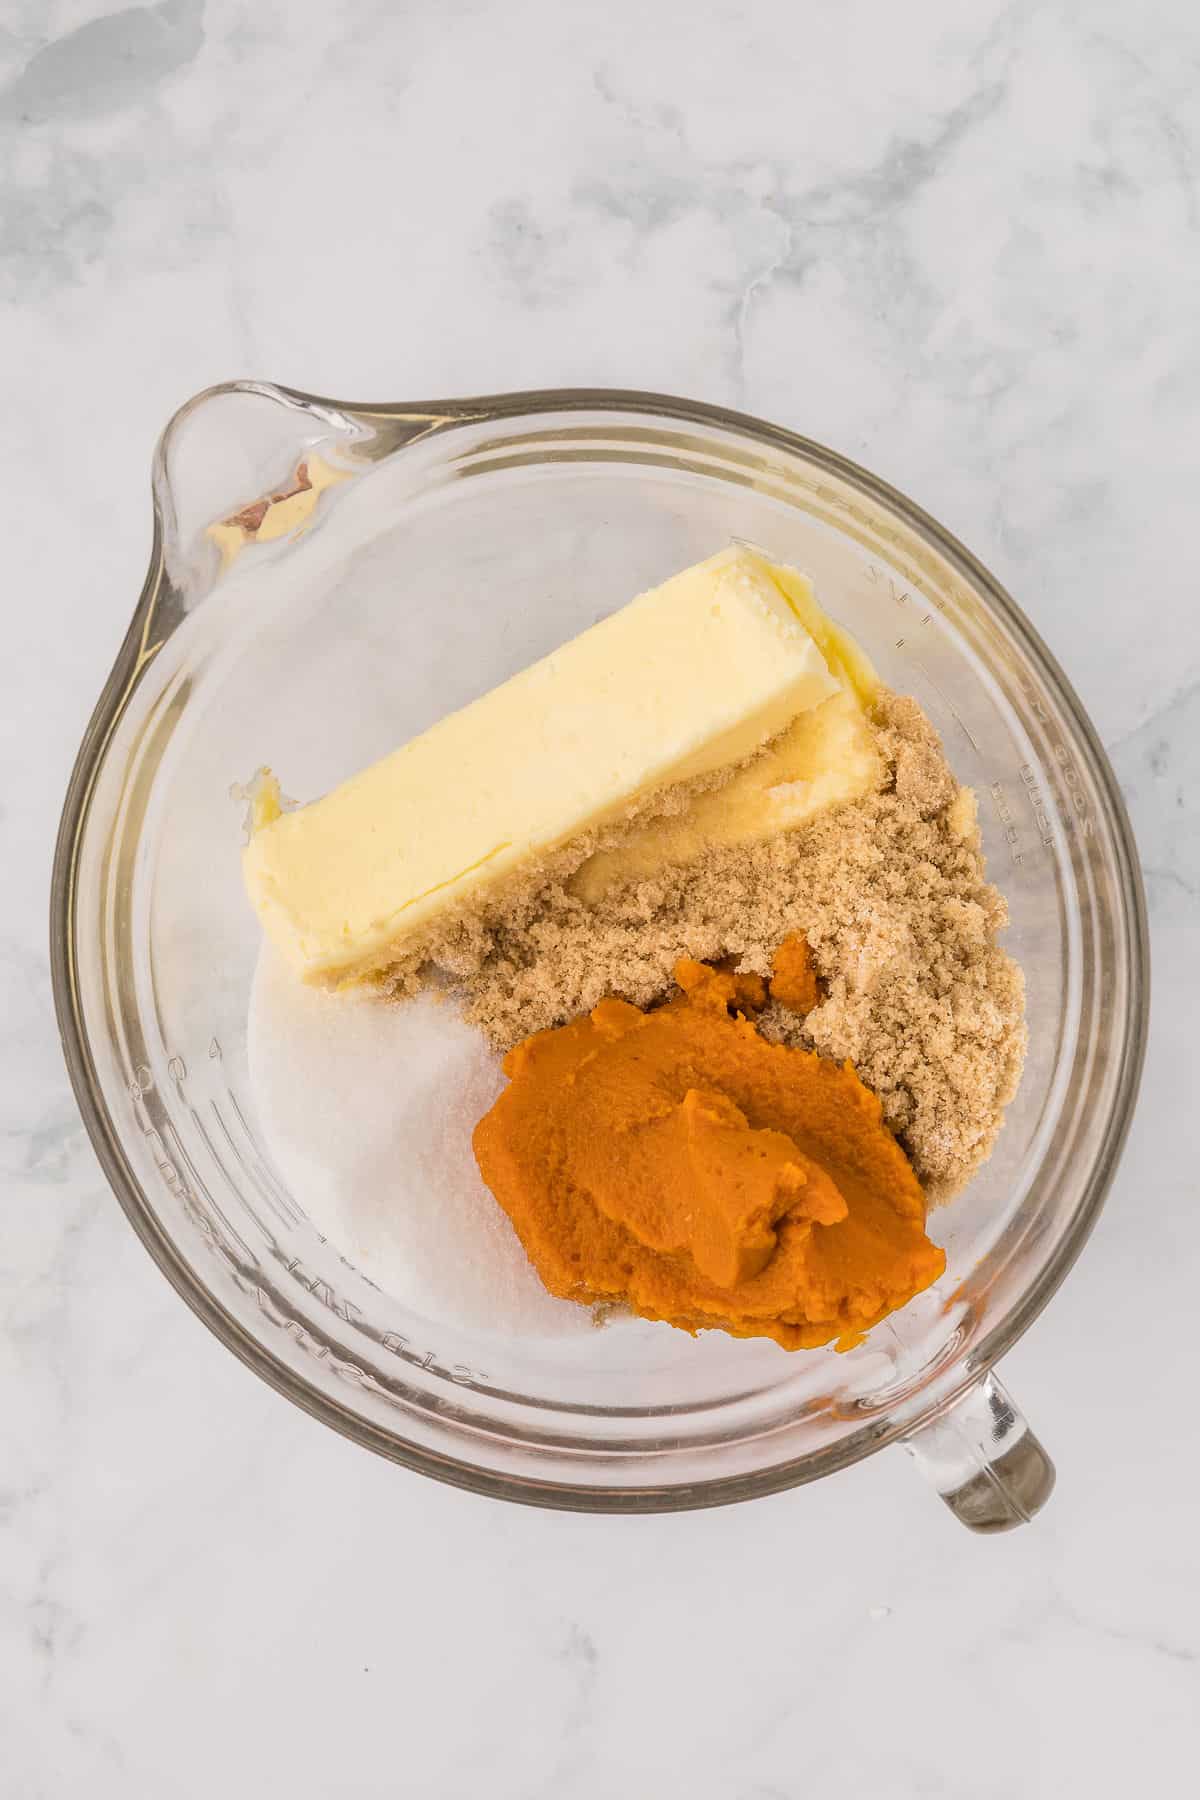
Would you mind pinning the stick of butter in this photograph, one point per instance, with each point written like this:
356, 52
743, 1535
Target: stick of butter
688, 678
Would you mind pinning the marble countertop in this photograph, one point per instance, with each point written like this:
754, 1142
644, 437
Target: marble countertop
960, 244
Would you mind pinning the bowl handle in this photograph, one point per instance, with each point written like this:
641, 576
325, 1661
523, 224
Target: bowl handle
984, 1461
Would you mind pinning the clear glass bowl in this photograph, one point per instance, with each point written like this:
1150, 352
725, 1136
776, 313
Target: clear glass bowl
459, 541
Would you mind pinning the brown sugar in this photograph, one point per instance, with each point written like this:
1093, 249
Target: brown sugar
900, 925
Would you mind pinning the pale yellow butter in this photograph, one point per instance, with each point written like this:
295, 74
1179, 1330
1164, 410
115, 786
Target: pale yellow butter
688, 678
826, 758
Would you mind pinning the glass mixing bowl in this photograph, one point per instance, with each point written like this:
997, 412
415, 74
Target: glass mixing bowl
326, 580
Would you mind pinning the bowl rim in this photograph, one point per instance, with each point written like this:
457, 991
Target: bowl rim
137, 648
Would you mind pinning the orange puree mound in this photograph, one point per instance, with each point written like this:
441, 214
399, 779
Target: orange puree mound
793, 978
719, 989
677, 1162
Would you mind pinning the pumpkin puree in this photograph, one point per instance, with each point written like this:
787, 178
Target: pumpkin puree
676, 1162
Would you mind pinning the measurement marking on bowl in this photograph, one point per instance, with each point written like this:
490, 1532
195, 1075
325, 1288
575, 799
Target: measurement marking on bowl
244, 1164
181, 1188
171, 1164
275, 1196
282, 1197
392, 1341
944, 698
1004, 813
321, 1290
212, 1238
398, 1345
172, 1178
1080, 812
902, 598
297, 1332
211, 1149
304, 1339
1041, 817
177, 1070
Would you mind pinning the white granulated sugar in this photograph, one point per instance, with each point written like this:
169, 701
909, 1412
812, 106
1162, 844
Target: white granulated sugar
367, 1107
